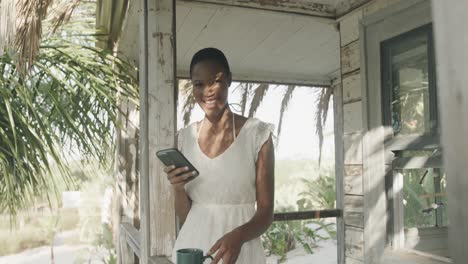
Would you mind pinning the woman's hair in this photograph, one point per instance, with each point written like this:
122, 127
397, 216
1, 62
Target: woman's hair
211, 54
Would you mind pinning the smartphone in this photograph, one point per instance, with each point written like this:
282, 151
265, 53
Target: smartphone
173, 156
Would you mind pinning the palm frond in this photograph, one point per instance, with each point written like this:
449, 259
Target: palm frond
61, 13
69, 100
323, 100
258, 96
29, 16
284, 106
189, 100
246, 88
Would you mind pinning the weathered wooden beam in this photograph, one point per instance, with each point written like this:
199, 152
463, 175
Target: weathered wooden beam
315, 214
346, 6
289, 79
418, 162
158, 125
452, 57
337, 87
289, 6
110, 15
132, 237
159, 260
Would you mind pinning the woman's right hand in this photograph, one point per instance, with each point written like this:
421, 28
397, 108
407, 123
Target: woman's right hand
178, 181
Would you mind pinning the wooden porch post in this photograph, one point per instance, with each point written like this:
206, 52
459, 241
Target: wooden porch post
158, 126
451, 42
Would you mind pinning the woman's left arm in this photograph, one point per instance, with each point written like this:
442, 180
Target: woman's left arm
228, 247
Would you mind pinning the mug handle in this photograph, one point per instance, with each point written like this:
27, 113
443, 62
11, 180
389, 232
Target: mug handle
206, 257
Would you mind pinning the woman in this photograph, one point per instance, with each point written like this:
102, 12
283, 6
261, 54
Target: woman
235, 158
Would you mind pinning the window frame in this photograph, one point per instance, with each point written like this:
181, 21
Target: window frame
387, 82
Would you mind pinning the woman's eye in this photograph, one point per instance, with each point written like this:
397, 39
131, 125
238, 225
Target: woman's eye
218, 81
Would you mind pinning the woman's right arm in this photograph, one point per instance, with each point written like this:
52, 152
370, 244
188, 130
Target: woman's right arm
182, 201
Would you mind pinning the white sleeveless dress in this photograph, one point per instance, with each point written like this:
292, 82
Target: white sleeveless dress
223, 195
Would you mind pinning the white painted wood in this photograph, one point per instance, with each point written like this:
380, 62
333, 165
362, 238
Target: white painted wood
125, 249
259, 44
276, 36
418, 162
374, 6
132, 238
159, 260
157, 104
352, 88
161, 121
382, 25
144, 155
411, 257
352, 113
375, 206
354, 238
350, 57
312, 8
398, 241
452, 56
349, 27
350, 260
353, 179
128, 44
352, 148
339, 162
430, 240
354, 210
344, 7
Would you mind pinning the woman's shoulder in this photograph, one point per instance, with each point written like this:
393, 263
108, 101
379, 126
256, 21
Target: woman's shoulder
260, 125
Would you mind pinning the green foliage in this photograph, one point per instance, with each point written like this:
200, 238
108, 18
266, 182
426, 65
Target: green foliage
417, 183
283, 237
320, 193
69, 100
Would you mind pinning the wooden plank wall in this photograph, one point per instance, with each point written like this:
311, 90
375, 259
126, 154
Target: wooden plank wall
354, 196
450, 24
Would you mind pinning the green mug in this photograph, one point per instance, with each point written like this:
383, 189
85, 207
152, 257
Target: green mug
191, 256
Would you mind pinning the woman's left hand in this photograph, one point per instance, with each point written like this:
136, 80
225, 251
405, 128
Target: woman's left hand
228, 248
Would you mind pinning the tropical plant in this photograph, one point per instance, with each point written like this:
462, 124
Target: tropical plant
319, 193
283, 237
68, 100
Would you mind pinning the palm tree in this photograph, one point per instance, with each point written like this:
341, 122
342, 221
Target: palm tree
65, 95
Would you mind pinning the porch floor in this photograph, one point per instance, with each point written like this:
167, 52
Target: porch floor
408, 257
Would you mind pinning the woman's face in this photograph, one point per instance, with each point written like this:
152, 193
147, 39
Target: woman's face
210, 86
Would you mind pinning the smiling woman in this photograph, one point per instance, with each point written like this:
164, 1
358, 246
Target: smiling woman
235, 158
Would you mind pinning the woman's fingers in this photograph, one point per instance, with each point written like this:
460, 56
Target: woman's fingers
181, 178
214, 248
218, 257
169, 168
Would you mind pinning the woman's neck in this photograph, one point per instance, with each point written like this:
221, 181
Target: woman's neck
220, 122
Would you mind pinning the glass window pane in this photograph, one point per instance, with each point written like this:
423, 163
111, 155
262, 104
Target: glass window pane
416, 184
409, 79
424, 197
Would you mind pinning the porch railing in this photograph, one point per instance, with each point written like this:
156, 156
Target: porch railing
132, 237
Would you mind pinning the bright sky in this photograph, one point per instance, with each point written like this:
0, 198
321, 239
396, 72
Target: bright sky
298, 139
